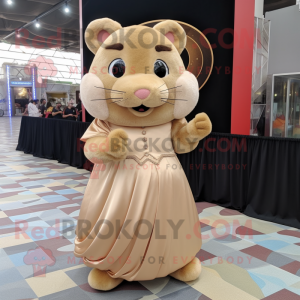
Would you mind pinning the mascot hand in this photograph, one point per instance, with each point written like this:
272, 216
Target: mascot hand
105, 149
117, 144
199, 127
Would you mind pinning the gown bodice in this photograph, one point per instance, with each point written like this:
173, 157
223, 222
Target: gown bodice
145, 144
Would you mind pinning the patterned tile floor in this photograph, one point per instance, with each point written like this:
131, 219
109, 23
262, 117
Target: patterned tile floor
242, 258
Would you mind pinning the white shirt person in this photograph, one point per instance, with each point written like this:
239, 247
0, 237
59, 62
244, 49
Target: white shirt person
33, 110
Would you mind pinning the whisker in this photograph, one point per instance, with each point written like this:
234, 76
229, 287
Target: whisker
174, 99
106, 99
98, 87
171, 92
161, 86
116, 101
172, 88
167, 102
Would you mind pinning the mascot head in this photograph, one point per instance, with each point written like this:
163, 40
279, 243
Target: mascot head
137, 77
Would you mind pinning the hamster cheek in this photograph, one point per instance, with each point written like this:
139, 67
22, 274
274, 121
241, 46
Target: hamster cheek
93, 96
189, 91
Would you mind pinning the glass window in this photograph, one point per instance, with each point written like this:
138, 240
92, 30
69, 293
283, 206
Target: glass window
294, 109
279, 106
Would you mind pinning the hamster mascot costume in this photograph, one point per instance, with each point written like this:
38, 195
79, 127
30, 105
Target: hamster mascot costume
138, 219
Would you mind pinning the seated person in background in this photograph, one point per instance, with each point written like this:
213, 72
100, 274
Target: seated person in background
37, 103
56, 112
79, 109
43, 107
25, 113
70, 112
33, 110
48, 110
72, 101
18, 107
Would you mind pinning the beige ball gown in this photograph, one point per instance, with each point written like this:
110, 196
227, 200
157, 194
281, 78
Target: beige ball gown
138, 219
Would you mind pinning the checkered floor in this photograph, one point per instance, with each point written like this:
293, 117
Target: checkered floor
242, 258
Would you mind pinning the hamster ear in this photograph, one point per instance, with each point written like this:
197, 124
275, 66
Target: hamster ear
174, 32
98, 31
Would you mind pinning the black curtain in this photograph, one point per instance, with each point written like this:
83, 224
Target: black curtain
255, 175
53, 139
214, 18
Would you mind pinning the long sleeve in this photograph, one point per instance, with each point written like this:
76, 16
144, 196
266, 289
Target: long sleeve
97, 128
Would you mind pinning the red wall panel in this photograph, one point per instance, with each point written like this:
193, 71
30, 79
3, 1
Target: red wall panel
242, 66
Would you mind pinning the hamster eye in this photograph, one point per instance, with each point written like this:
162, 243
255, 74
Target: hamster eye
161, 69
117, 68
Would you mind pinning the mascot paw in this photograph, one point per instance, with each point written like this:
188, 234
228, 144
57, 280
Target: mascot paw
189, 272
100, 280
118, 140
200, 126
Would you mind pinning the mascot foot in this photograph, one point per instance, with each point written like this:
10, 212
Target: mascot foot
100, 280
189, 272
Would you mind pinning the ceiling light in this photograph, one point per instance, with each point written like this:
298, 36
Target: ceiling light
37, 24
9, 2
18, 34
20, 78
67, 8
275, 95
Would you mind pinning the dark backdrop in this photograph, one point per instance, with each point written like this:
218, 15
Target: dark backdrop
215, 96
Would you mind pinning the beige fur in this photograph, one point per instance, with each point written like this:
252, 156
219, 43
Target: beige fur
90, 94
111, 99
100, 280
92, 31
186, 136
188, 90
189, 272
107, 149
139, 60
139, 73
179, 33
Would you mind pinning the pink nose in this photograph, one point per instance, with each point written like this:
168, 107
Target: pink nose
142, 93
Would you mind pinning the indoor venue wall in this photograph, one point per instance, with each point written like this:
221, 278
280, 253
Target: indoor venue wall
284, 40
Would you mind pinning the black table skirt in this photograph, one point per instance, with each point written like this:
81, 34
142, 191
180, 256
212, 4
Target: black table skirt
53, 139
261, 179
257, 176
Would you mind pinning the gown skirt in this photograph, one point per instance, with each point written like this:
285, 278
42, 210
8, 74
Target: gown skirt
138, 222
